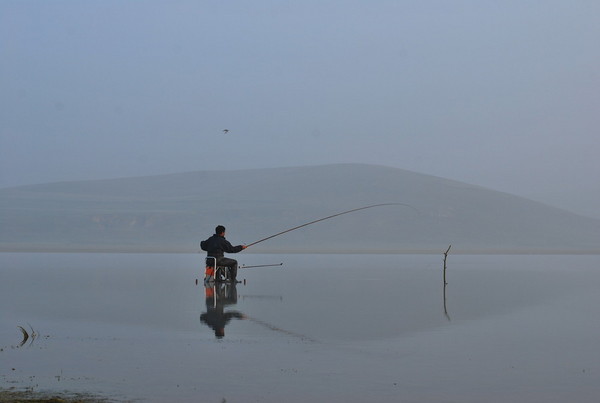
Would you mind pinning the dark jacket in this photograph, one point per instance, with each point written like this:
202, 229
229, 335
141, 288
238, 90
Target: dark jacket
217, 245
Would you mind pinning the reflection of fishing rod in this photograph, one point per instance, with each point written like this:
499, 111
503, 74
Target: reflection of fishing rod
261, 265
331, 216
278, 329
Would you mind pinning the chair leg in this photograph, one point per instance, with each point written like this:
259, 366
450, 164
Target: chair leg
222, 273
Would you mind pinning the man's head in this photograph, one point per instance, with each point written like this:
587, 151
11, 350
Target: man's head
220, 230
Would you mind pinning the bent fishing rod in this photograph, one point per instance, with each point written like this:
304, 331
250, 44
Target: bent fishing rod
331, 216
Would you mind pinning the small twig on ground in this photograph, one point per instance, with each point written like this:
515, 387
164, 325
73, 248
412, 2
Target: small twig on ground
25, 336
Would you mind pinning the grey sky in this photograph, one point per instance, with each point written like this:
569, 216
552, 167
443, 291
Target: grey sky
503, 94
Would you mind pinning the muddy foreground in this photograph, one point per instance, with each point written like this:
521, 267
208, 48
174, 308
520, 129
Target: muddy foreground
14, 396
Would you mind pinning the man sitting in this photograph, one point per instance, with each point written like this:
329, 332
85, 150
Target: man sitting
216, 246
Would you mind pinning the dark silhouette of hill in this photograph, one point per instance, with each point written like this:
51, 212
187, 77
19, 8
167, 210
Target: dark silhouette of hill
172, 213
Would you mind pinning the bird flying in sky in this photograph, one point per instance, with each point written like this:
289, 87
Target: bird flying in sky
225, 131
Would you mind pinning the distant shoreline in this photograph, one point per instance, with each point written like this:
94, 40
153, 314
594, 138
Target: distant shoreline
288, 251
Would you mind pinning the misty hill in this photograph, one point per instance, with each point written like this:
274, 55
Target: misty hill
174, 212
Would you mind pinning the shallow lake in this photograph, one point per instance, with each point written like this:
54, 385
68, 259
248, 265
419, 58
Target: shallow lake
335, 328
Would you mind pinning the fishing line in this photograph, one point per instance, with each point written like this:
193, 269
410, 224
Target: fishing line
331, 216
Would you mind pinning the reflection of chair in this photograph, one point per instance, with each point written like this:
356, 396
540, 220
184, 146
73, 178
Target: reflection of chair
214, 272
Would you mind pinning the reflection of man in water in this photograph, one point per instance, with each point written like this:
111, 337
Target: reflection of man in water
216, 246
215, 316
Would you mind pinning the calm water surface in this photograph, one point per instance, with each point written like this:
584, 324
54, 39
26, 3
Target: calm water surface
324, 327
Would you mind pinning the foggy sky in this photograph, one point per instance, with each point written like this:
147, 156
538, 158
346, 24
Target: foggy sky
500, 94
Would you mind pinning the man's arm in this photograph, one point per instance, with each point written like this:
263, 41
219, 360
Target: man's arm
227, 247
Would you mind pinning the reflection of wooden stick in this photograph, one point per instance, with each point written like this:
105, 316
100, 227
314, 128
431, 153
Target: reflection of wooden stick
445, 306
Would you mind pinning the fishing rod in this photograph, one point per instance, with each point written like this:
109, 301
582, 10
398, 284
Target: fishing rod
331, 216
261, 265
